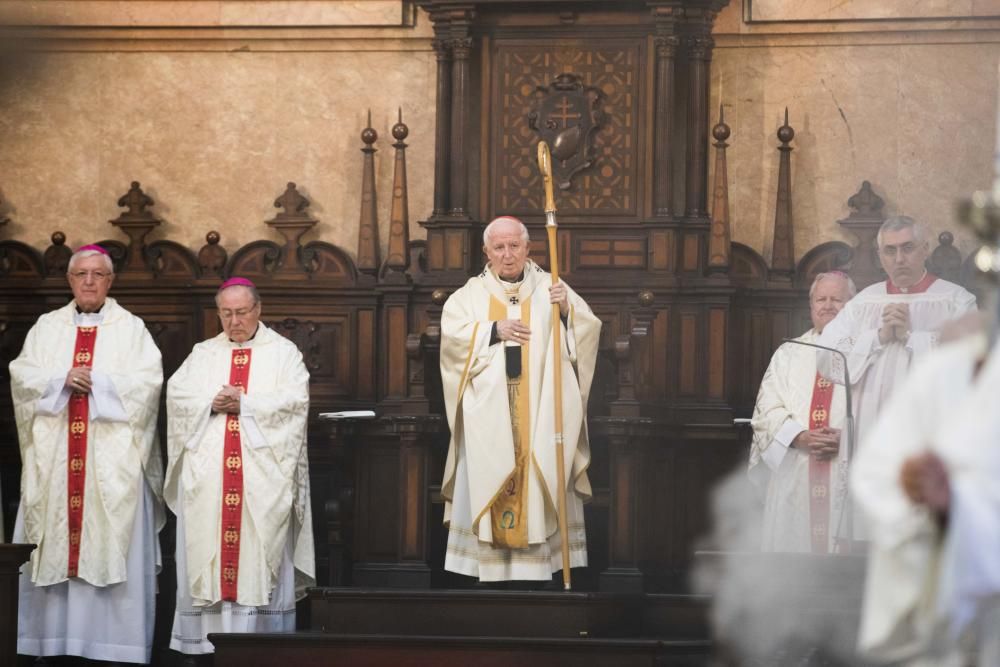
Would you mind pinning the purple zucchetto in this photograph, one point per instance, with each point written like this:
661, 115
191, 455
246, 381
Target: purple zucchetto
236, 280
94, 247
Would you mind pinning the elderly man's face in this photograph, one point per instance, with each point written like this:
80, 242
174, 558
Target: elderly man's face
827, 300
90, 281
903, 256
238, 312
506, 250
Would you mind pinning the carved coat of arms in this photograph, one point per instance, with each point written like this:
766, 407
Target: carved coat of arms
567, 115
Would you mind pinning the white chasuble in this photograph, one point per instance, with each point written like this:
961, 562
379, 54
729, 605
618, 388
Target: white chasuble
120, 432
930, 582
498, 479
273, 461
783, 410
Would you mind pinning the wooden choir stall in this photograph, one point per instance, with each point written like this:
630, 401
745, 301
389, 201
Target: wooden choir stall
690, 319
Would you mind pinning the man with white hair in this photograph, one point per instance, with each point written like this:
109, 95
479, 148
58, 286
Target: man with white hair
500, 482
890, 324
86, 391
797, 423
238, 478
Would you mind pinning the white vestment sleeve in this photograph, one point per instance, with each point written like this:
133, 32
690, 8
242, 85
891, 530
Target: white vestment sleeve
248, 423
55, 397
105, 403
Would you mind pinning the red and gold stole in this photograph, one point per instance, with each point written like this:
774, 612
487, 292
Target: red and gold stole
76, 472
232, 482
819, 471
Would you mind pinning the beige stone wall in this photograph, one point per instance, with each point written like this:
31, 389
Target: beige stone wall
213, 124
909, 106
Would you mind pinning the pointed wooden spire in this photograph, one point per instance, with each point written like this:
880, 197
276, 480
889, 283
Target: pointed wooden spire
719, 238
398, 259
783, 248
368, 239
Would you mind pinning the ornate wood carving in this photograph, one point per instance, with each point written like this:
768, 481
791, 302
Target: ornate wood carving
946, 261
442, 123
292, 222
368, 238
566, 115
699, 45
783, 248
460, 19
57, 256
611, 185
212, 257
136, 222
864, 221
719, 238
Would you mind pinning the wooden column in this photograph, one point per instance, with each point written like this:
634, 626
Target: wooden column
625, 462
442, 129
461, 49
699, 50
666, 41
397, 260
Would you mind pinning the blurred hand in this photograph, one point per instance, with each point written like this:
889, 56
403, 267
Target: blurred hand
895, 323
924, 479
821, 443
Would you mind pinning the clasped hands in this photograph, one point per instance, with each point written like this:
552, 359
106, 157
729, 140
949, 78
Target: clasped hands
518, 332
895, 323
78, 380
227, 400
820, 443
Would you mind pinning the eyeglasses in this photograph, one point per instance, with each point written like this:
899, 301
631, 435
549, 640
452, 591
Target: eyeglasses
83, 275
240, 314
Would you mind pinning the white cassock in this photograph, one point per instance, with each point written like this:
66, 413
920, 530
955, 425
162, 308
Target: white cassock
783, 410
276, 557
105, 611
927, 583
500, 481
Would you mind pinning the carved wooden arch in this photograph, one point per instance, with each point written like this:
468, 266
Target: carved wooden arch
829, 256
319, 260
118, 252
169, 259
748, 267
328, 262
20, 261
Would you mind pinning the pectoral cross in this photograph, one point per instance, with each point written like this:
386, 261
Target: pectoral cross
514, 300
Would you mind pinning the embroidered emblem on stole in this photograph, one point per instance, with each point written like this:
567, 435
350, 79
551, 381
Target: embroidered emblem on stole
232, 483
819, 471
76, 466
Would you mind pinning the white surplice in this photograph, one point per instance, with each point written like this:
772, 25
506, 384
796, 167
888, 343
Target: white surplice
106, 612
277, 559
481, 455
876, 369
782, 412
928, 583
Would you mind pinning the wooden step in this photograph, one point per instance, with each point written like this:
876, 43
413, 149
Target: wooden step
484, 613
317, 649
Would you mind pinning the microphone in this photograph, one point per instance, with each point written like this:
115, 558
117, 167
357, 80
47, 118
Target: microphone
849, 419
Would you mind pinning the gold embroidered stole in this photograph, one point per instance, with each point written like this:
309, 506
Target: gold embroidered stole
509, 511
79, 423
232, 483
